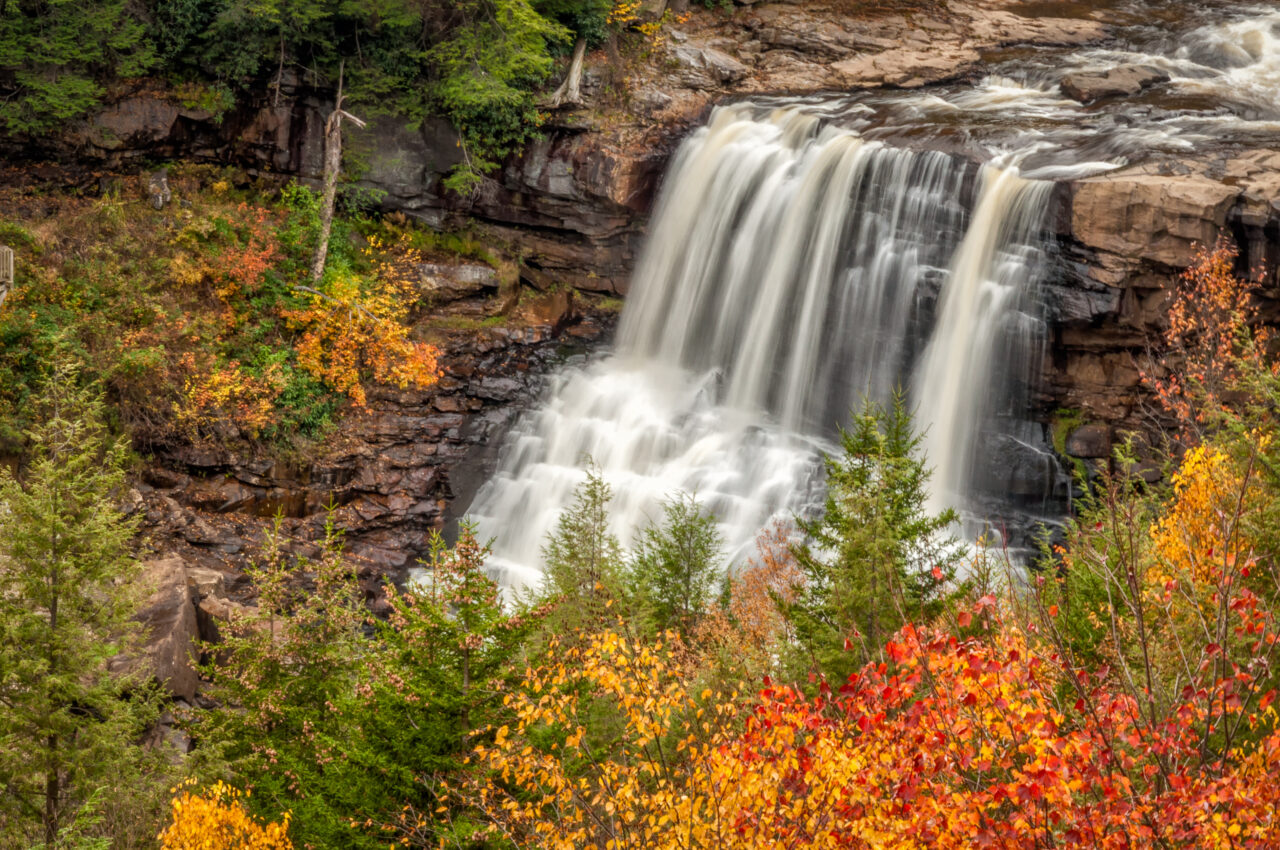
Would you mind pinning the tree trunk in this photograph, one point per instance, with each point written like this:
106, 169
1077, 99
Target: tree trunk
52, 790
570, 91
332, 167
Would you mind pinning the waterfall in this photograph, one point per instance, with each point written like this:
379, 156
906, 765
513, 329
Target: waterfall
792, 268
982, 304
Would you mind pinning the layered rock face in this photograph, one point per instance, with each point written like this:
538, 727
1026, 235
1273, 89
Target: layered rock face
1124, 238
390, 476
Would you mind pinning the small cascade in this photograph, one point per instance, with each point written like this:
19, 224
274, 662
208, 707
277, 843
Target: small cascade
965, 378
792, 269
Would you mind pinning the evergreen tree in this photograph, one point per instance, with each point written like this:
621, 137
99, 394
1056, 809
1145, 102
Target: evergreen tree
54, 55
351, 733
583, 567
448, 657
675, 565
876, 558
286, 676
68, 728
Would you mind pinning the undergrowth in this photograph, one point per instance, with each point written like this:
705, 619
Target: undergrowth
194, 319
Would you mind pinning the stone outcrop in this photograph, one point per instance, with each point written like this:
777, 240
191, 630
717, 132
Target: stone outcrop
1125, 236
1088, 86
170, 631
1150, 213
392, 474
906, 68
442, 282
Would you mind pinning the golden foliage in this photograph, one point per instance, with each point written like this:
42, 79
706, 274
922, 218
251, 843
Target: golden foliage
951, 744
1195, 532
354, 324
216, 820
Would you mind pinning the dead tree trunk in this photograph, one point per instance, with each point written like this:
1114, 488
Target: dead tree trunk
332, 168
570, 90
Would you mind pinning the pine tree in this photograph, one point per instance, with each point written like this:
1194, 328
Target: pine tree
68, 728
449, 651
675, 565
875, 558
287, 677
583, 567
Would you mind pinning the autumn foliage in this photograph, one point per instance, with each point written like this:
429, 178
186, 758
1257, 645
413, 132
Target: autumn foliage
1120, 695
355, 327
1213, 338
217, 820
951, 744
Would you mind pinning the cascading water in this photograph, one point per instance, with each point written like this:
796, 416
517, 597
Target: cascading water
982, 313
792, 269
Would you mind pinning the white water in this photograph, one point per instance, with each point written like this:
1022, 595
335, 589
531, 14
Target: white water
791, 270
979, 308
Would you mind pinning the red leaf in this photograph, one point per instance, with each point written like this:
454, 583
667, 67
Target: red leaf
964, 618
937, 574
1053, 610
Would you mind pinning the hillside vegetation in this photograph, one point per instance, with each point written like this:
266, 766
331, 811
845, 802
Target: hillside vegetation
861, 683
478, 63
202, 321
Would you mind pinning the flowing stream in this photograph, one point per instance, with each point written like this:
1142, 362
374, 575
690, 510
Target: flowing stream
802, 258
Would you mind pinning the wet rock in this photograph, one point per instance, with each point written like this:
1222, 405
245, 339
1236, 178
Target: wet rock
1088, 86
1016, 468
907, 67
170, 628
499, 389
221, 495
1080, 302
1089, 441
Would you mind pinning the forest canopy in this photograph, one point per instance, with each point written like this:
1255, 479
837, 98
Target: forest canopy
478, 63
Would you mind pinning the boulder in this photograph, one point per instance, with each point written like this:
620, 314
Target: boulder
1089, 441
702, 67
169, 628
554, 309
215, 613
132, 122
1088, 86
205, 582
1142, 213
907, 67
443, 282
